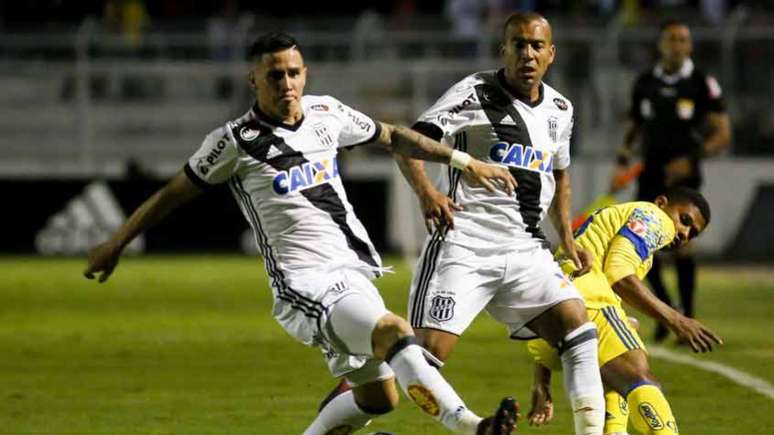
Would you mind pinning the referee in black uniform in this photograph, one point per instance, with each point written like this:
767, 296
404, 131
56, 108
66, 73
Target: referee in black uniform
678, 117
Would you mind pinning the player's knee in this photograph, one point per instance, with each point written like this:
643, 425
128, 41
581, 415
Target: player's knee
437, 343
581, 337
387, 332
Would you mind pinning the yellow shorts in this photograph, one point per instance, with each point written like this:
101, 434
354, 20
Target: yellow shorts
616, 337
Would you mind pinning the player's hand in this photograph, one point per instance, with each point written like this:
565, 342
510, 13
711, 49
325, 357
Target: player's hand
542, 410
582, 258
438, 210
484, 174
677, 169
693, 332
102, 258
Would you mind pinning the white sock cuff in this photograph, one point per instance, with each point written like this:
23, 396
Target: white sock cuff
579, 330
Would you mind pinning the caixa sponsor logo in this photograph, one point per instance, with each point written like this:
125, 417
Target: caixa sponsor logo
523, 157
304, 176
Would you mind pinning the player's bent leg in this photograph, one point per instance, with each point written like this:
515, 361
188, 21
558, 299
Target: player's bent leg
439, 343
349, 411
566, 326
395, 342
649, 411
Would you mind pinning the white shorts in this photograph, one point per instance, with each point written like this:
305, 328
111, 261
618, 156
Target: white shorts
453, 283
336, 311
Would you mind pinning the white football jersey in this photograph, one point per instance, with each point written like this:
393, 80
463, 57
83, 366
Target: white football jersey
480, 116
287, 184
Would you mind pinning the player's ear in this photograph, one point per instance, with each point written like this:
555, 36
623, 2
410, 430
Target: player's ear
661, 201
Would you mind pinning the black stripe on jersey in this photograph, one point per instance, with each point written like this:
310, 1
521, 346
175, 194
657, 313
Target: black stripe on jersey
323, 196
428, 129
194, 177
497, 106
309, 307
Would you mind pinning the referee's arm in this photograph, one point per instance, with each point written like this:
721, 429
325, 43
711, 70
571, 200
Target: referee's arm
719, 137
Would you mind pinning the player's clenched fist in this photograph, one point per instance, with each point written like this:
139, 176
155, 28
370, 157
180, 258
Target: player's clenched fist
102, 258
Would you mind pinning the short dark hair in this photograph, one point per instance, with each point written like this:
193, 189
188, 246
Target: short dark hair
669, 23
686, 194
521, 17
272, 42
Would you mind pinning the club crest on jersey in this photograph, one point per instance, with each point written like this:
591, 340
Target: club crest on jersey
321, 131
442, 308
553, 127
521, 156
305, 175
560, 103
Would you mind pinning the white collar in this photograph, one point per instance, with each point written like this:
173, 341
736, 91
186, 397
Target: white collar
684, 72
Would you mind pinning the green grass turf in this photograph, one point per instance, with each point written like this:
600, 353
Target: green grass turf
187, 345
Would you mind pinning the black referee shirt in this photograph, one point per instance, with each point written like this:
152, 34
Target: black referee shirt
671, 109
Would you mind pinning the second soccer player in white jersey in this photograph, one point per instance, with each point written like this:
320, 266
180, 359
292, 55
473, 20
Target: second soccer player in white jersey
491, 254
279, 160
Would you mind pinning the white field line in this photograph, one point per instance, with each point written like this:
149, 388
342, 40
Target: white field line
737, 376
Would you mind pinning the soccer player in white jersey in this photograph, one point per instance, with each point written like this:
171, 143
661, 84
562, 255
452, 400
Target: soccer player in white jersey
492, 255
279, 159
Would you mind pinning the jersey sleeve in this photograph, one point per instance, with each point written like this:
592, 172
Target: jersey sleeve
215, 161
713, 95
357, 127
562, 157
448, 114
622, 259
644, 233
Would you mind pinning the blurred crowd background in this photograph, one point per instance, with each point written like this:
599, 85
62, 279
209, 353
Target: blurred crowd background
121, 90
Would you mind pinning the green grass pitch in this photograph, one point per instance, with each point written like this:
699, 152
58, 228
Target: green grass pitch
187, 345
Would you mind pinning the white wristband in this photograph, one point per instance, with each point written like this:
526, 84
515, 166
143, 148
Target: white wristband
459, 159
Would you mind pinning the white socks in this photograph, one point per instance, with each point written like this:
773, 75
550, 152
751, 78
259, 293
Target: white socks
582, 380
425, 386
341, 411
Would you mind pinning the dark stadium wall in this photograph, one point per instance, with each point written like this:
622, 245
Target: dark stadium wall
65, 217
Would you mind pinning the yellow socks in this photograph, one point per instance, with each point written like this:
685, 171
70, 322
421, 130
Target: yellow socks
616, 413
649, 410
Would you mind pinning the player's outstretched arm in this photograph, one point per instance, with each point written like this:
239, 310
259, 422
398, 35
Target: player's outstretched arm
104, 257
407, 142
634, 293
560, 218
542, 409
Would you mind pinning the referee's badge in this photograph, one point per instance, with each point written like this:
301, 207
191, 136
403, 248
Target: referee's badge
442, 308
553, 128
685, 108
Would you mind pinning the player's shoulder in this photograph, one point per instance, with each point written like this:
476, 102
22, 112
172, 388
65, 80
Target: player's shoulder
319, 103
465, 89
555, 100
648, 213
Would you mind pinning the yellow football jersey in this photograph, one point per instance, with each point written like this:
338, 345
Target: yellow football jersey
623, 238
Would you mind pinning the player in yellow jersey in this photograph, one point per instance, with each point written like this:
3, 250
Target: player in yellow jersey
623, 239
